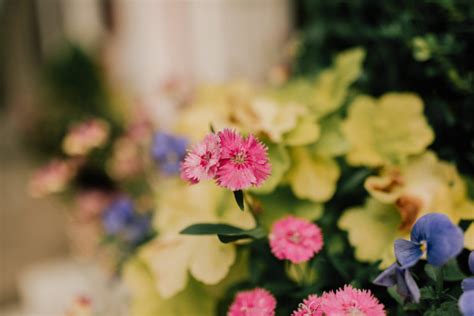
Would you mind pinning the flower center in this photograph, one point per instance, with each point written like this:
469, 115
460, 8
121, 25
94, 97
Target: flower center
354, 311
423, 248
294, 237
240, 157
205, 159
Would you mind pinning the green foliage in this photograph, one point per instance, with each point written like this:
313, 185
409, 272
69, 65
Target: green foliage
420, 46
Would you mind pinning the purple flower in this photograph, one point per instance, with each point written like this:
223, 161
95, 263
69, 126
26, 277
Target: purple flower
468, 283
434, 235
168, 151
121, 220
402, 279
466, 303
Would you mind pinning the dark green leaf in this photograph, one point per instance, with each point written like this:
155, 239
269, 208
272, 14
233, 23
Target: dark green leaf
393, 293
432, 272
239, 198
452, 272
436, 274
255, 233
225, 233
211, 127
427, 293
210, 229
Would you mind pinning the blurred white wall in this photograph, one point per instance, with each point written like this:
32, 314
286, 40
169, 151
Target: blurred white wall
197, 40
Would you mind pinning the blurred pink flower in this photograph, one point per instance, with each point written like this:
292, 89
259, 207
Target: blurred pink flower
126, 161
256, 302
350, 301
295, 239
85, 136
244, 161
52, 178
311, 306
202, 161
91, 203
82, 306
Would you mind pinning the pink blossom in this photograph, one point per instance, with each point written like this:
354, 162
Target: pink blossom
52, 178
350, 301
295, 239
256, 302
202, 161
85, 136
244, 161
311, 306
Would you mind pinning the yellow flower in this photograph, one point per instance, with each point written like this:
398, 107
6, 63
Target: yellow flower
214, 104
469, 237
332, 84
329, 90
387, 130
424, 184
399, 196
312, 176
332, 142
372, 230
171, 256
280, 160
145, 300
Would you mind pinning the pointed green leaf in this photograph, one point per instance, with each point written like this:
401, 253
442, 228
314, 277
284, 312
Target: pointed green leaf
255, 233
225, 233
210, 229
239, 198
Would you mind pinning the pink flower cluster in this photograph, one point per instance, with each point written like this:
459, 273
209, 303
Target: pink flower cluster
295, 239
256, 302
345, 301
234, 161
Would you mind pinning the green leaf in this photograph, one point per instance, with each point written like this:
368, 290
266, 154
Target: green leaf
255, 233
210, 229
356, 180
226, 233
431, 272
446, 308
436, 274
427, 293
239, 198
393, 293
452, 272
211, 127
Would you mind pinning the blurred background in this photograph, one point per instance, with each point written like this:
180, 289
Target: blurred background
59, 61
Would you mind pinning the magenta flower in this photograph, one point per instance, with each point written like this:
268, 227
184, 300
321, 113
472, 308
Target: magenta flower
256, 302
311, 306
350, 301
295, 239
243, 163
202, 161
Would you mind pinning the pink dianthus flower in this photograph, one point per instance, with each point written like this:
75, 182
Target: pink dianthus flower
256, 302
350, 301
295, 239
244, 161
202, 161
311, 306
